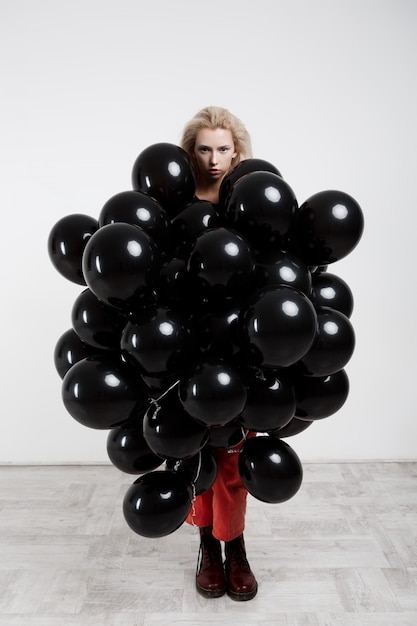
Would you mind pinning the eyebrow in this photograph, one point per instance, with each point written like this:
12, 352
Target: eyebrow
202, 145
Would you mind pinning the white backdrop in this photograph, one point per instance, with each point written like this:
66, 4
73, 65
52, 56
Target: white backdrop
327, 89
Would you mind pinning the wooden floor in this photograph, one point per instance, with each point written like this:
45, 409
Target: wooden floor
343, 551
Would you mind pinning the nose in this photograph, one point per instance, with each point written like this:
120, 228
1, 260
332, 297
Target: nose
213, 159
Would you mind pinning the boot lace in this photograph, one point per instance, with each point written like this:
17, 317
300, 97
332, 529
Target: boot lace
209, 553
236, 554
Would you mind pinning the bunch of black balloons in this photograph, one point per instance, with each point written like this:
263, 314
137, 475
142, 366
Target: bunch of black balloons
201, 323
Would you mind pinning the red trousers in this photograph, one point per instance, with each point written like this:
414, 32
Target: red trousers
223, 506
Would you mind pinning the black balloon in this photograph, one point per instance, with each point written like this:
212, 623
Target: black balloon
95, 323
221, 264
278, 327
333, 345
66, 244
328, 226
294, 427
330, 290
241, 169
321, 396
261, 207
69, 350
217, 329
157, 504
172, 285
275, 267
157, 385
121, 265
128, 450
164, 171
139, 209
270, 403
102, 391
160, 344
227, 436
213, 393
270, 469
191, 222
200, 471
171, 433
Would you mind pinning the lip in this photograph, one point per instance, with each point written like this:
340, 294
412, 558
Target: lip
214, 171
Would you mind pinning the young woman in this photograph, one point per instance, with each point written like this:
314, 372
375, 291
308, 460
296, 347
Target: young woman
216, 141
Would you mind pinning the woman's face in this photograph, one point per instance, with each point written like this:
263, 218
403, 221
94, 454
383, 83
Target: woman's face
214, 150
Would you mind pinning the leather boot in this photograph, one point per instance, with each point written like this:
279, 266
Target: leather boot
210, 579
241, 582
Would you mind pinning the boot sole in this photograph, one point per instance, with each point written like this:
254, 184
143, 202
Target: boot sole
210, 593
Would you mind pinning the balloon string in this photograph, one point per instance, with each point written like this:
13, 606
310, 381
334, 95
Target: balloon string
239, 450
193, 511
167, 391
260, 374
198, 470
154, 402
153, 405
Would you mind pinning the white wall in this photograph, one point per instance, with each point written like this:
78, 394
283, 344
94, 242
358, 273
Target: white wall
327, 89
